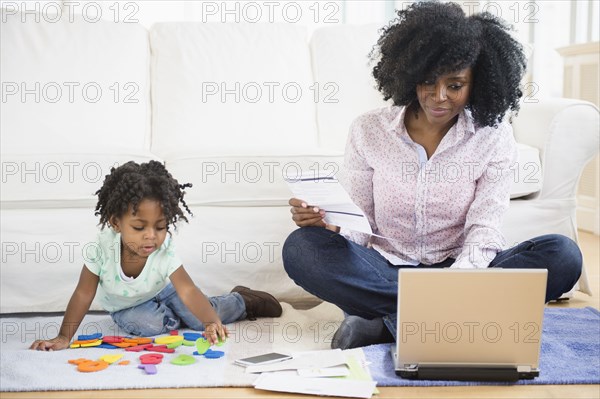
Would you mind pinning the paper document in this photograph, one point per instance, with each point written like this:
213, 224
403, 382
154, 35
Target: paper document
356, 381
335, 371
289, 381
328, 194
304, 360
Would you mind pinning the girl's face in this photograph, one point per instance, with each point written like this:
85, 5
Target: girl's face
142, 233
445, 98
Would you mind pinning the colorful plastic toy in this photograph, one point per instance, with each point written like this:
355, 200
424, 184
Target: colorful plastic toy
159, 348
92, 365
110, 359
183, 360
107, 346
148, 368
89, 337
169, 339
202, 345
210, 354
175, 345
151, 358
138, 348
189, 336
110, 339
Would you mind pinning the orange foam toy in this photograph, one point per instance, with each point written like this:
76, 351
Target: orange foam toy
138, 340
92, 365
77, 361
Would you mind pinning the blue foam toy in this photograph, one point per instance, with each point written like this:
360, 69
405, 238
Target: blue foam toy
210, 354
191, 336
89, 337
106, 346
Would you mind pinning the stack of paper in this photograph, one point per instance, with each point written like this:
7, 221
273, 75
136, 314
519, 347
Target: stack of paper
327, 372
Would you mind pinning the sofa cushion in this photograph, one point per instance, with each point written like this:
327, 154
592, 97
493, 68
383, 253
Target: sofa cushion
231, 88
343, 74
247, 180
68, 85
59, 180
527, 172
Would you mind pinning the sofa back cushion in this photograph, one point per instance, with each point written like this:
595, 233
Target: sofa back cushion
69, 84
342, 72
231, 89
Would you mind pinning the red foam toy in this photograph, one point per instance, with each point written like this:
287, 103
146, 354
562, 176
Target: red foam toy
151, 358
138, 348
159, 348
111, 339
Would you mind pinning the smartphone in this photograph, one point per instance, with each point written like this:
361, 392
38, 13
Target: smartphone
262, 359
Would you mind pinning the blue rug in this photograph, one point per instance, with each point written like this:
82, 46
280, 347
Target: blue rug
570, 353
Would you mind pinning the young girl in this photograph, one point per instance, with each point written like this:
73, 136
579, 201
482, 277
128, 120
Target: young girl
136, 259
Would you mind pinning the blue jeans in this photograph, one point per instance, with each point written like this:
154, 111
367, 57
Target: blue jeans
166, 312
363, 283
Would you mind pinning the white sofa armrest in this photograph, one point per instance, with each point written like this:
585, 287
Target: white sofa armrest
566, 131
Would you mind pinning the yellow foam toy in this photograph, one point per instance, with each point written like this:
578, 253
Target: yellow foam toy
168, 339
89, 344
110, 359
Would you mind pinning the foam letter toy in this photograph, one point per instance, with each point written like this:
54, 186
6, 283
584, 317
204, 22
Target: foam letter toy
89, 337
202, 345
151, 358
183, 360
110, 359
92, 365
148, 368
169, 339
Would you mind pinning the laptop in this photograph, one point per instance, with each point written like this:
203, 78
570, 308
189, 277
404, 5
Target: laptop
469, 324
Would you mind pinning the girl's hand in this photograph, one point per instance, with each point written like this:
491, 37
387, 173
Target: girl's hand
304, 215
54, 344
215, 330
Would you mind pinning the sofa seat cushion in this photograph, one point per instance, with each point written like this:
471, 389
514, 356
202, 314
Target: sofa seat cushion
59, 180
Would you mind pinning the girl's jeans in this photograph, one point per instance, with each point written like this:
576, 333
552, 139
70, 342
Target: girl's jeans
166, 312
363, 283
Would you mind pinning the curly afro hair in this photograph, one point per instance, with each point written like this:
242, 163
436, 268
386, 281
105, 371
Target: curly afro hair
431, 39
131, 183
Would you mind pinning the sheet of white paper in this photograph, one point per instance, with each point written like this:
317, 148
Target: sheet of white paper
286, 381
304, 360
328, 194
336, 371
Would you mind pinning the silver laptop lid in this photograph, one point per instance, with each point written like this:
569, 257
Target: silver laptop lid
479, 317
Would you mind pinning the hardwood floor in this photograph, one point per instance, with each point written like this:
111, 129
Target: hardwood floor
590, 245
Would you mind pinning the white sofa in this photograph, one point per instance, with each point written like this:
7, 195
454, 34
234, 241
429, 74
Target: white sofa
228, 107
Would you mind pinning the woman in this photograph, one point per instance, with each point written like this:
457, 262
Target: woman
432, 174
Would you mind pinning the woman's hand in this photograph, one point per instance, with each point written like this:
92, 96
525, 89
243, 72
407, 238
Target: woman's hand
54, 344
215, 330
304, 215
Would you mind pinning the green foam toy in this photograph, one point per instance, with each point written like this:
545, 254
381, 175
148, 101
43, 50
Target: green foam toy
183, 360
202, 345
174, 344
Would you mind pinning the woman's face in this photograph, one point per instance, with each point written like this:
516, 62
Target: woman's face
445, 98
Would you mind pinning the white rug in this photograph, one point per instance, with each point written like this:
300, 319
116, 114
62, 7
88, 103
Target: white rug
26, 370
